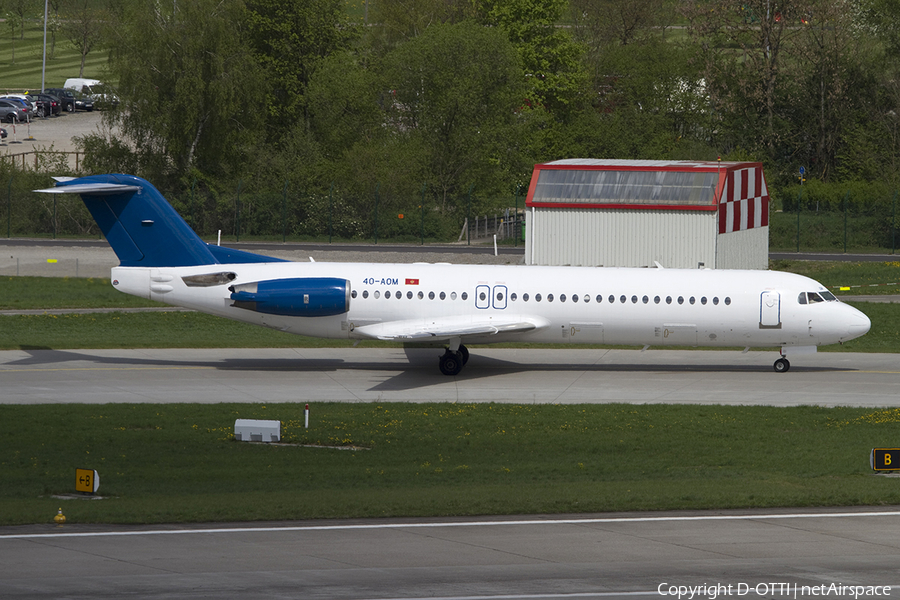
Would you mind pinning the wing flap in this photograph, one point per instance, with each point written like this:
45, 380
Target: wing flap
441, 329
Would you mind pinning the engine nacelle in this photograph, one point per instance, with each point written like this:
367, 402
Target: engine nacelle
298, 297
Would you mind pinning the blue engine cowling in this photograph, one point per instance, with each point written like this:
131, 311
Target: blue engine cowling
298, 297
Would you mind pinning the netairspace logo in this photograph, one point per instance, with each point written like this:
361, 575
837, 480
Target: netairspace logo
771, 589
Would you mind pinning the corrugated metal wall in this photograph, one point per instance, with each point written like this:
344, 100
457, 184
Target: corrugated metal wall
748, 249
621, 238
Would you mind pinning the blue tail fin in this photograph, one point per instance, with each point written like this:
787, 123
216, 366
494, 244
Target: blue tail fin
142, 227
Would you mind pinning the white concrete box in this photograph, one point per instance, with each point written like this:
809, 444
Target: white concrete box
256, 430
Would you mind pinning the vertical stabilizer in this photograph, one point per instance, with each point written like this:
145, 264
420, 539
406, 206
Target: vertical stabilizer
140, 225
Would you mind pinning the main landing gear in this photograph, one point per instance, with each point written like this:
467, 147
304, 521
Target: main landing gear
782, 365
451, 363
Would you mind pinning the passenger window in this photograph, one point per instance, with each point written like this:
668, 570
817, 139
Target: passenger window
409, 295
421, 295
453, 295
692, 300
431, 295
513, 296
377, 294
575, 297
612, 299
727, 301
353, 294
622, 299
656, 300
549, 297
645, 299
668, 299
562, 297
482, 296
599, 299
499, 296
716, 300
443, 295
634, 299
537, 297
703, 300
801, 299
680, 299
365, 293
387, 294
588, 298
525, 297
465, 296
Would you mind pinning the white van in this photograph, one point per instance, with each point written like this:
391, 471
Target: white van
92, 88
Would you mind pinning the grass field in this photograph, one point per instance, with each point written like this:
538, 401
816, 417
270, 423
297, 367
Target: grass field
25, 72
179, 463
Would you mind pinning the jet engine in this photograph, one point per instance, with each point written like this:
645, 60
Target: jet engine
298, 297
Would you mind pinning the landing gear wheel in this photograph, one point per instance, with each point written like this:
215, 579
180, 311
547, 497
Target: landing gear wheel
451, 363
782, 365
465, 354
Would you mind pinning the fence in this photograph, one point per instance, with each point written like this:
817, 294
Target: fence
43, 161
848, 222
278, 214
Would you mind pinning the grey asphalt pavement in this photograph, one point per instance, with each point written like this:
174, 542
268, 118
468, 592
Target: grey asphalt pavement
362, 374
751, 554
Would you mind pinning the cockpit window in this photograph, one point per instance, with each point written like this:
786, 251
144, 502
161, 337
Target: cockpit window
815, 297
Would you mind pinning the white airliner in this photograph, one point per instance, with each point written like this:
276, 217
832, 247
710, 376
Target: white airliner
162, 259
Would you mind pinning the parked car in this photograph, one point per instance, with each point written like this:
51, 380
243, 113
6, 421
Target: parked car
83, 102
95, 89
67, 97
48, 105
21, 101
2, 134
12, 111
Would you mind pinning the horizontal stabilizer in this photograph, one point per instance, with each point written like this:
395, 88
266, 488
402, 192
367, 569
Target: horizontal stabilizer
94, 189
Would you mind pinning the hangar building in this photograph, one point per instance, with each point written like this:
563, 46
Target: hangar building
633, 213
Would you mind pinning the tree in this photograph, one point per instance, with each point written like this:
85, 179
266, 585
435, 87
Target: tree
288, 38
188, 85
83, 25
456, 90
401, 20
550, 58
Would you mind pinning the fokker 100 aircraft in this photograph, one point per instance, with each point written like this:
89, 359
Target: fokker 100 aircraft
162, 259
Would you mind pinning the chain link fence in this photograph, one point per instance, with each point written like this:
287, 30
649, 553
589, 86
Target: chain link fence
281, 214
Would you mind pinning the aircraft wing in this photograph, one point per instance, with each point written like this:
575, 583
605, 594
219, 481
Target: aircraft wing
451, 327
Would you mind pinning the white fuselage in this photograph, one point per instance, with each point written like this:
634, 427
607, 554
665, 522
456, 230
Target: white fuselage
579, 305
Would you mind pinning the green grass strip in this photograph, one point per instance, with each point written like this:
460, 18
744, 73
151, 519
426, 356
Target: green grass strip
180, 463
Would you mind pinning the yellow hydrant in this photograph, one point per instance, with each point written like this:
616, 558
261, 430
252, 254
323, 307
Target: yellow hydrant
60, 518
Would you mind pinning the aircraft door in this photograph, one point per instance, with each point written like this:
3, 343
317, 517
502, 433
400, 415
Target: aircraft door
482, 296
500, 297
770, 309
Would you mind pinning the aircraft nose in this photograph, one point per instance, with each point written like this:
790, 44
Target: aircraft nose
859, 324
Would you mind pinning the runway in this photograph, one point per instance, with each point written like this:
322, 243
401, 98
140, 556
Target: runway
702, 554
753, 554
492, 375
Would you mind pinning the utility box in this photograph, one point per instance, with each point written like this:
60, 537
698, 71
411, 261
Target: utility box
256, 430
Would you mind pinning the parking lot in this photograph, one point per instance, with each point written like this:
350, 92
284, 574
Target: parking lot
52, 133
